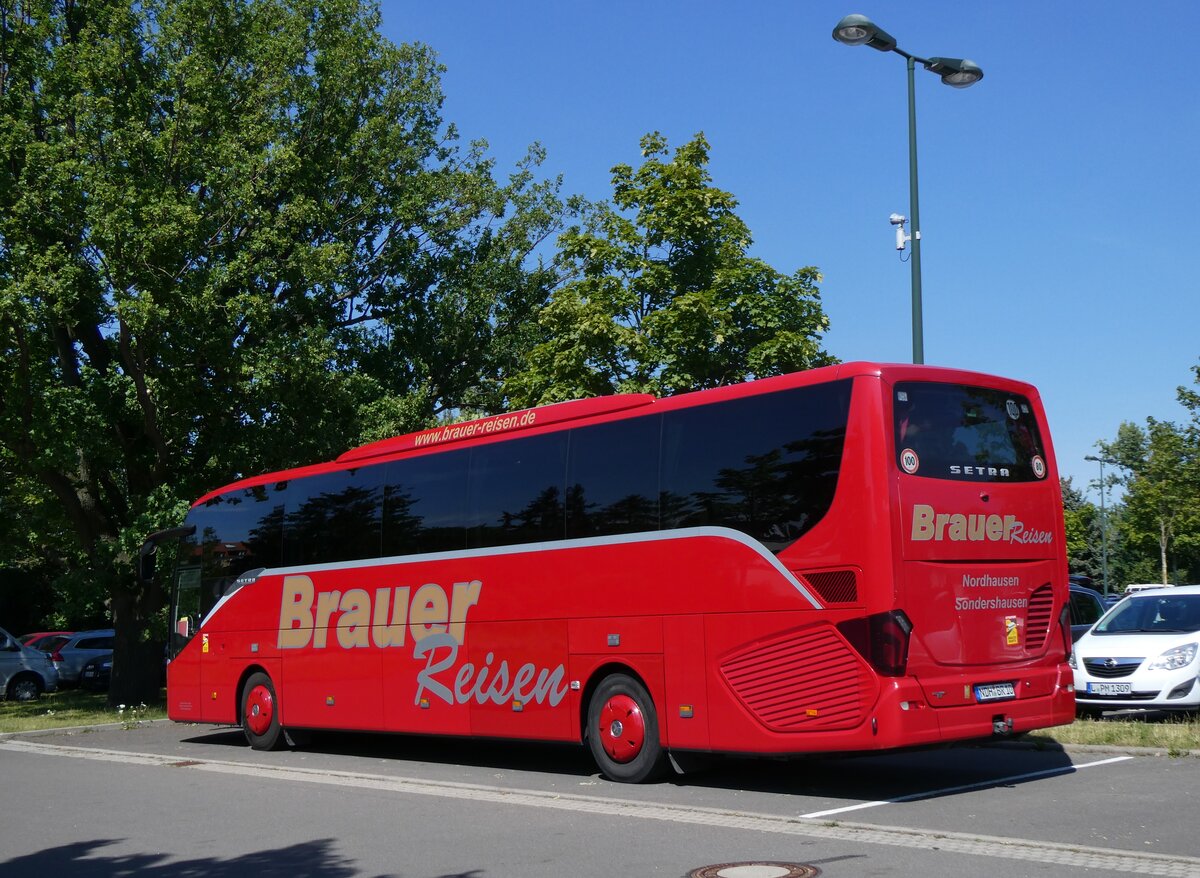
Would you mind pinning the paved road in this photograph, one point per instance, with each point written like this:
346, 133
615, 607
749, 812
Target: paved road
172, 800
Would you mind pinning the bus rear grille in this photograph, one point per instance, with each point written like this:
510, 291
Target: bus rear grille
809, 680
834, 586
1038, 616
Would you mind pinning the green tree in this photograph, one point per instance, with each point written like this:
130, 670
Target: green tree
235, 235
662, 295
1162, 480
1082, 521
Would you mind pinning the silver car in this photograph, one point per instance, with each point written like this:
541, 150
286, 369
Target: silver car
24, 673
80, 648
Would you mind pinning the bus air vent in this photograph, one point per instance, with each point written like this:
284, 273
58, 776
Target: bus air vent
1038, 617
834, 586
805, 680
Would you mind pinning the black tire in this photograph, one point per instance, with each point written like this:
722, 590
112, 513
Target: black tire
622, 731
260, 713
24, 687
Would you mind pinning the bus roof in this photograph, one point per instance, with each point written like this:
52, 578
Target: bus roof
495, 426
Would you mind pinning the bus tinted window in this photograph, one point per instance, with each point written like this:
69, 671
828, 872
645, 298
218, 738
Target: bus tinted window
425, 504
951, 431
334, 517
515, 491
237, 531
612, 478
765, 465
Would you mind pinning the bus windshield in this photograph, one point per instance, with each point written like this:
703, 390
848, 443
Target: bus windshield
964, 433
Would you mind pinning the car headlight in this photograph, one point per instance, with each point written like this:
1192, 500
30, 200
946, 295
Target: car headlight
1071, 661
1173, 659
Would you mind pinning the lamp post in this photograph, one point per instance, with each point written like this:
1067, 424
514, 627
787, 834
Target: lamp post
858, 30
1103, 518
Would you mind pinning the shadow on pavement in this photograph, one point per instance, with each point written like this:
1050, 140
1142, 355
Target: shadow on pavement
871, 776
86, 859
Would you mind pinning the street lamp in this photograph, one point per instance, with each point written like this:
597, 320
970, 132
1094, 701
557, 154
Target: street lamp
858, 30
1103, 517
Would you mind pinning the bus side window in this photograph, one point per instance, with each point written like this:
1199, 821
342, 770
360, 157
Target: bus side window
612, 478
765, 465
334, 517
424, 504
515, 491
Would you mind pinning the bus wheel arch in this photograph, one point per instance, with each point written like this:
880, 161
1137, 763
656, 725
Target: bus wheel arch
621, 726
259, 710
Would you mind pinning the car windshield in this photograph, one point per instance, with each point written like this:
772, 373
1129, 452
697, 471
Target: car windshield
1153, 614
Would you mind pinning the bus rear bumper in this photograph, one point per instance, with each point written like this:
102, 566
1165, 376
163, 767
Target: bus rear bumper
955, 708
905, 713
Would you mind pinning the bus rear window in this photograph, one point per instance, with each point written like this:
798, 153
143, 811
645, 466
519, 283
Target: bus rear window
963, 433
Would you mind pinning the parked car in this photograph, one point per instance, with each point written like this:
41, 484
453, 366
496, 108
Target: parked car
24, 673
81, 647
45, 640
1087, 606
97, 673
1135, 587
1144, 653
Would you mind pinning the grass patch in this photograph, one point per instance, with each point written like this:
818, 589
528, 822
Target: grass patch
69, 707
1172, 732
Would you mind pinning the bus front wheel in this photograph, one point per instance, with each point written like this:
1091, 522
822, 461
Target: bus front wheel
623, 731
260, 713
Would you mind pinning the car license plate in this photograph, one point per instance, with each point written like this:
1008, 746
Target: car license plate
994, 692
1110, 688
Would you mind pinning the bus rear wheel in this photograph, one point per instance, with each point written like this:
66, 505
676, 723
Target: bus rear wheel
623, 731
260, 713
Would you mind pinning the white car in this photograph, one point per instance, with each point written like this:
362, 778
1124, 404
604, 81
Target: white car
1144, 653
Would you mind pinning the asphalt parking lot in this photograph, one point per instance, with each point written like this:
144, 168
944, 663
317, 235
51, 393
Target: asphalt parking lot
1102, 809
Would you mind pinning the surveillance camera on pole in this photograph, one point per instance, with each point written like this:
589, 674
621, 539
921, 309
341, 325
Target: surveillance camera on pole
898, 221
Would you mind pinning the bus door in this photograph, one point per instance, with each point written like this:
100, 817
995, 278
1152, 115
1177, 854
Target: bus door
183, 671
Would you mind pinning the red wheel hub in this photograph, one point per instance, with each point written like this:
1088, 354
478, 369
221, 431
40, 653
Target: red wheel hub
260, 709
622, 728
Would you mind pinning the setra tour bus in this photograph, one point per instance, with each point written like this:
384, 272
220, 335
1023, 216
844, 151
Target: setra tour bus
853, 558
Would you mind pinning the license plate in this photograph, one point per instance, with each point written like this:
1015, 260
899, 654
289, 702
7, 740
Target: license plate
994, 692
1110, 688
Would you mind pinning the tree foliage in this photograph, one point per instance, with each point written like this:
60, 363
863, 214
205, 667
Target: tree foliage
663, 295
212, 214
1081, 520
1161, 483
1157, 521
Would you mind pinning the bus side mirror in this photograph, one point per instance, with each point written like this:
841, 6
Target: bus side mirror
146, 559
146, 562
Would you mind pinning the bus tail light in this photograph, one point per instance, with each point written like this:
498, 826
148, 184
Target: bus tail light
882, 639
1064, 628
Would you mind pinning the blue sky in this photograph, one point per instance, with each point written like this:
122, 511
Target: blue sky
1059, 197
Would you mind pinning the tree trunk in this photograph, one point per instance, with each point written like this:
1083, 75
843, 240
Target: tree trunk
137, 674
1162, 547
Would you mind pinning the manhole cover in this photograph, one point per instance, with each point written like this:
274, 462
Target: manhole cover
756, 870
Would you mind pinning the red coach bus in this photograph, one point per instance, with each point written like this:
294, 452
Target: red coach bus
853, 558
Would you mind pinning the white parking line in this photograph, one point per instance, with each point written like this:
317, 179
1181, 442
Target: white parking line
982, 785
